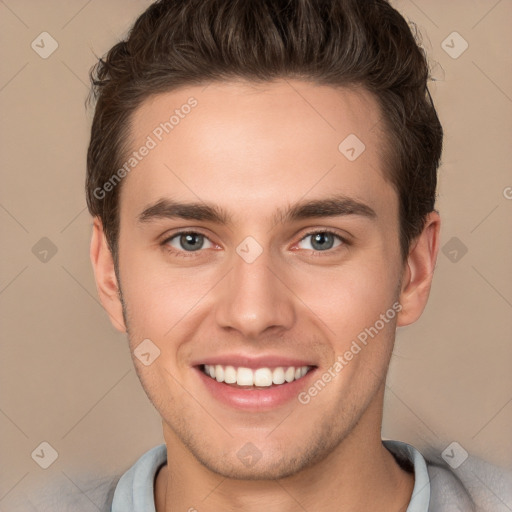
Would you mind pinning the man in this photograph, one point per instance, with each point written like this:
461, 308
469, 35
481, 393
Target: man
262, 179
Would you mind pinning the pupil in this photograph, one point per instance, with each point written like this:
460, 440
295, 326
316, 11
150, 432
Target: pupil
191, 238
321, 239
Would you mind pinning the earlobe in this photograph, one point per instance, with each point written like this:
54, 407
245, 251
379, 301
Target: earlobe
105, 276
418, 271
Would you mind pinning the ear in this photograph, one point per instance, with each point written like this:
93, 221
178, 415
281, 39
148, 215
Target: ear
419, 271
105, 276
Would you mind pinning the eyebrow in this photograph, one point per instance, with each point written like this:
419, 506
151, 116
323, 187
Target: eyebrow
332, 206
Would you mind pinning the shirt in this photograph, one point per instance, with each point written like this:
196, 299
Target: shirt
473, 486
435, 489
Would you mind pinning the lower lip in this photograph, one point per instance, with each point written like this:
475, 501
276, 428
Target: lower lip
256, 399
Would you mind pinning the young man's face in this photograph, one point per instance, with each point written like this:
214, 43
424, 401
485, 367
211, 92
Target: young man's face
260, 291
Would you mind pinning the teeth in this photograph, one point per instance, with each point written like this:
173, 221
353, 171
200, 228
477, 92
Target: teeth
229, 375
262, 377
244, 377
219, 373
278, 376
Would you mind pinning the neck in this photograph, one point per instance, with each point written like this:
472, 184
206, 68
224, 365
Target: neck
359, 474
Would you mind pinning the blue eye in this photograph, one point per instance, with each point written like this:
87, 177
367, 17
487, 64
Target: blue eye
188, 241
323, 240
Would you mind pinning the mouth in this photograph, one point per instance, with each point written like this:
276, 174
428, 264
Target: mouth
259, 378
260, 388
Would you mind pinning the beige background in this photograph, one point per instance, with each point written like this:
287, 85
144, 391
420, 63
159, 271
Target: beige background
66, 376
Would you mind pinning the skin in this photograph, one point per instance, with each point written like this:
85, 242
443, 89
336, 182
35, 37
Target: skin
252, 149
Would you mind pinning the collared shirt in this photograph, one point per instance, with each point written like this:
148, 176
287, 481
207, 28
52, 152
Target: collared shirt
466, 485
435, 489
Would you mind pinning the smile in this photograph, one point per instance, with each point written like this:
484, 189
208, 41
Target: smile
254, 383
258, 377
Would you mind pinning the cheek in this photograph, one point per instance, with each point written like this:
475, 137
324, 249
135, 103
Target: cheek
353, 307
158, 295
154, 285
347, 298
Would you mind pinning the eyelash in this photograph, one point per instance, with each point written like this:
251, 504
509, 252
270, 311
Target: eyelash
188, 254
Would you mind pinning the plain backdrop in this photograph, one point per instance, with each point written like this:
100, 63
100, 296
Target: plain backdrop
66, 376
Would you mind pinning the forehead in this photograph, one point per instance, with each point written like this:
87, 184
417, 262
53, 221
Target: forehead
244, 145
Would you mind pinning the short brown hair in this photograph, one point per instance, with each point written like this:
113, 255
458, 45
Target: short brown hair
367, 43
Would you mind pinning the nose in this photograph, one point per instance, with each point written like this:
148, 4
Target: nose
254, 297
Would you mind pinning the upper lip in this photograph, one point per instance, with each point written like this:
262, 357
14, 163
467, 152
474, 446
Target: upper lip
253, 362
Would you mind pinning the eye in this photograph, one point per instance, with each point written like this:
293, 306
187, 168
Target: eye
187, 241
322, 241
